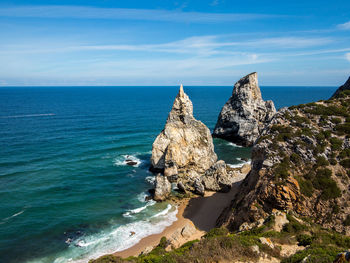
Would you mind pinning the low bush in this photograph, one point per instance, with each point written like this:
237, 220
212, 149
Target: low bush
345, 163
336, 143
304, 240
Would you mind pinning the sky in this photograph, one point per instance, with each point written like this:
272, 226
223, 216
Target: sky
164, 43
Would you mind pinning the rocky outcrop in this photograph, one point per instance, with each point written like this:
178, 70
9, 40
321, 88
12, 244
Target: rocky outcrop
216, 178
300, 163
185, 143
245, 114
342, 88
162, 188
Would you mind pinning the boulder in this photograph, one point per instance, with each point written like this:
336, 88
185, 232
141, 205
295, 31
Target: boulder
162, 188
184, 144
245, 114
216, 178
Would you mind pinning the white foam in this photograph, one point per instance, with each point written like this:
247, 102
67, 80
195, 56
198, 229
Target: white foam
164, 212
28, 115
239, 165
234, 145
14, 215
115, 239
140, 209
150, 179
121, 160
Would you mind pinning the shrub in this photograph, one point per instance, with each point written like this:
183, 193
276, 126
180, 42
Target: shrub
343, 128
336, 120
333, 161
321, 161
326, 184
295, 158
293, 226
345, 163
304, 240
306, 187
163, 242
336, 143
344, 153
215, 232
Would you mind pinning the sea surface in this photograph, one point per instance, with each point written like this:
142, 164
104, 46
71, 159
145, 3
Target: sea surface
66, 193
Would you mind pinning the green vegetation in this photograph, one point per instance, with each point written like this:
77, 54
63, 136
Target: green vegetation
321, 161
326, 184
335, 143
345, 163
329, 110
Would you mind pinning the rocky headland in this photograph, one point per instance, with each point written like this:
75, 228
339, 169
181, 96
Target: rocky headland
300, 163
245, 114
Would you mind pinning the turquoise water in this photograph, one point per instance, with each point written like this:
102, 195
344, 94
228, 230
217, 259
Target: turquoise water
65, 191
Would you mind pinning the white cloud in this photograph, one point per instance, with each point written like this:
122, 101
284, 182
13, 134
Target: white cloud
345, 26
84, 12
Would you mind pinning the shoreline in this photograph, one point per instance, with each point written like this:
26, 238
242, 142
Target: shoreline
199, 212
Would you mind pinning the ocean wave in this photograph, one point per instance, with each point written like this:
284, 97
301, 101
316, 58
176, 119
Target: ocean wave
239, 165
140, 209
3, 221
234, 145
115, 239
27, 115
164, 212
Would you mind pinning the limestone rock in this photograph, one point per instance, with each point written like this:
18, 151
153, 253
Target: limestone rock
162, 188
184, 144
266, 241
198, 187
216, 178
245, 114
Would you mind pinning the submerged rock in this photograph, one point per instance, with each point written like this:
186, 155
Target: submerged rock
245, 114
184, 144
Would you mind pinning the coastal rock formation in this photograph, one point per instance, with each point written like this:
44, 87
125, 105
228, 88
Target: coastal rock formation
300, 163
245, 114
184, 144
216, 178
162, 188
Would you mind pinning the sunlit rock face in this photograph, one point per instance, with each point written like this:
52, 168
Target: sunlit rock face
185, 144
245, 114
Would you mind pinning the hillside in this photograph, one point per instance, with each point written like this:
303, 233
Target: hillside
300, 163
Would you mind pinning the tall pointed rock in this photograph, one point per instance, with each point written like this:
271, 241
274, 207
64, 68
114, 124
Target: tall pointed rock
245, 114
185, 144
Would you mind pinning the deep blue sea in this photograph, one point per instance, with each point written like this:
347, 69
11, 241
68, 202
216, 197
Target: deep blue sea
66, 194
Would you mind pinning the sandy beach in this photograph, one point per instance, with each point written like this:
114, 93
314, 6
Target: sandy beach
202, 212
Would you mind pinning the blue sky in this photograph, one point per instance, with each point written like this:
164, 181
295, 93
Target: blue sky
194, 42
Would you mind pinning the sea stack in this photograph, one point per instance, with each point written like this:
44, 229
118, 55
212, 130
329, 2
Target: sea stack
185, 145
245, 114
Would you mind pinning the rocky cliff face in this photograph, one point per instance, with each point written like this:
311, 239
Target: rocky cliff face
245, 114
185, 143
300, 163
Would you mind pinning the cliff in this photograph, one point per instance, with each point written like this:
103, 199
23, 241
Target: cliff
300, 163
245, 114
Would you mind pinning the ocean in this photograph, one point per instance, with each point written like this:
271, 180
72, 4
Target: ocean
66, 193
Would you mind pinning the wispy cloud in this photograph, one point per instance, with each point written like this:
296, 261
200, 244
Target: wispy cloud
345, 26
84, 12
195, 46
